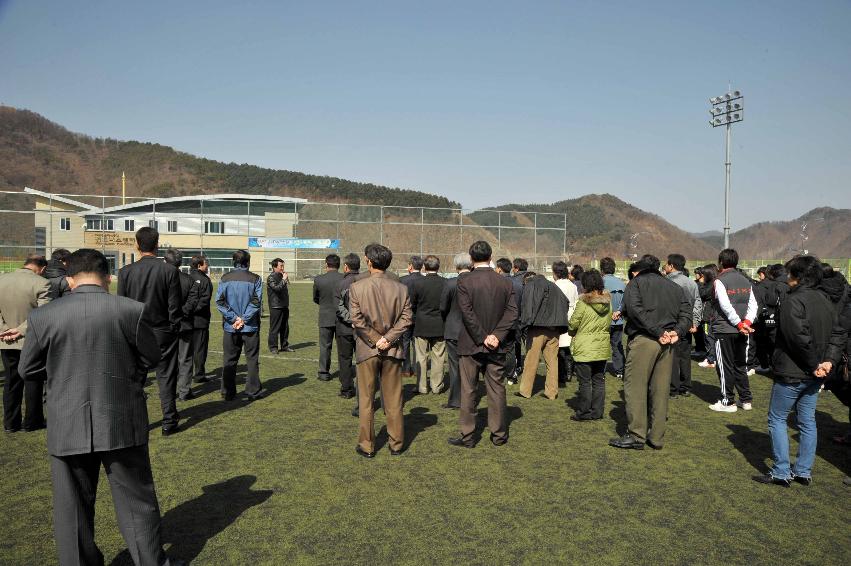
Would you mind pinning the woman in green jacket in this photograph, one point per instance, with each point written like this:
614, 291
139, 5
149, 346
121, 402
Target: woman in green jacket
591, 346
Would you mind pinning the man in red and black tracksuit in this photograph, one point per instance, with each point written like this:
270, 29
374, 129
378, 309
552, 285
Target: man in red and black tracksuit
735, 308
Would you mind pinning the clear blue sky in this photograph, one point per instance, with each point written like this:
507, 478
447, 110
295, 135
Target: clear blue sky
484, 102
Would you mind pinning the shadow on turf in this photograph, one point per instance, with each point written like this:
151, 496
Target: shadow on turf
191, 524
191, 416
416, 421
301, 345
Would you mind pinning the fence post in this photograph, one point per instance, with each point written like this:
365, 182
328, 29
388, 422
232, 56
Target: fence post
381, 227
422, 229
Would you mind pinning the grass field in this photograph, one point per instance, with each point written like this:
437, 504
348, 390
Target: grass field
277, 481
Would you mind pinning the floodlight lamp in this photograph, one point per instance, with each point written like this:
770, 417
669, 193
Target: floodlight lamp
727, 97
717, 120
737, 106
728, 118
736, 116
737, 93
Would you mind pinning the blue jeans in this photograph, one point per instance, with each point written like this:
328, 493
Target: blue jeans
783, 399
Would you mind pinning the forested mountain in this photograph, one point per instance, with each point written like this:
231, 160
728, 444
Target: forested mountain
38, 153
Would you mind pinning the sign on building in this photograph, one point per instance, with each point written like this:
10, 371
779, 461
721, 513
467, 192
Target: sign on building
293, 243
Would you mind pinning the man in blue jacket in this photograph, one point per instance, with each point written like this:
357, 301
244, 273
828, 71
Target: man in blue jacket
238, 299
615, 287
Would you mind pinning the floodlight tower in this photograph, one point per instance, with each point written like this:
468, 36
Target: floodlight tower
727, 109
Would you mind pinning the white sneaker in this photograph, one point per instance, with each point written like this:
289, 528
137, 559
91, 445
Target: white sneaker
720, 407
706, 364
745, 406
752, 371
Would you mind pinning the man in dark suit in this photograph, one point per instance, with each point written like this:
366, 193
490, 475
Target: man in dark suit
201, 317
324, 289
425, 295
519, 269
190, 294
415, 267
278, 291
452, 328
345, 334
98, 415
157, 284
488, 310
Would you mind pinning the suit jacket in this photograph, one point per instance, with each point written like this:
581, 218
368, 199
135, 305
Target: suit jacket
190, 294
96, 349
324, 289
449, 308
487, 305
379, 307
341, 297
155, 283
20, 292
201, 316
425, 295
278, 291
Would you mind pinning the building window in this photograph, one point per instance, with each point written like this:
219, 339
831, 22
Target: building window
172, 225
129, 225
109, 224
214, 227
93, 224
153, 224
64, 223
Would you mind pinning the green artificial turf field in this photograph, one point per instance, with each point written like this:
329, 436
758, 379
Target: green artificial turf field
277, 481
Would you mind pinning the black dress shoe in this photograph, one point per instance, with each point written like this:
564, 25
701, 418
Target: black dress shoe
324, 378
35, 428
518, 394
653, 446
685, 394
396, 452
458, 441
364, 453
802, 480
347, 394
188, 397
498, 442
273, 351
169, 430
579, 419
448, 406
287, 349
255, 396
771, 480
202, 379
356, 412
228, 396
627, 441
11, 430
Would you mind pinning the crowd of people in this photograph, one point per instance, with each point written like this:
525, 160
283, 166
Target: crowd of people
494, 319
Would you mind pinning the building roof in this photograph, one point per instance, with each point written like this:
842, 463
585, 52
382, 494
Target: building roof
151, 202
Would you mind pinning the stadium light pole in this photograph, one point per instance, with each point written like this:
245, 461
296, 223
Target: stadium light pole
726, 110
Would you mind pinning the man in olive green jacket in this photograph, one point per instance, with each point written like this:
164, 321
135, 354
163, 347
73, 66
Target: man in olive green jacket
21, 291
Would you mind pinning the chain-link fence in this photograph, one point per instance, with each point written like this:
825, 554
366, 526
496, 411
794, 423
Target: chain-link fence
215, 225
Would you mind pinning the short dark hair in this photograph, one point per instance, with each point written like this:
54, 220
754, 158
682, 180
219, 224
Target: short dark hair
352, 261
36, 259
241, 258
827, 271
198, 261
728, 258
481, 251
528, 275
607, 266
644, 265
710, 273
332, 261
576, 271
87, 260
431, 263
173, 257
60, 254
148, 239
776, 270
560, 270
520, 264
380, 256
763, 270
652, 261
592, 280
504, 264
805, 269
416, 262
274, 263
677, 261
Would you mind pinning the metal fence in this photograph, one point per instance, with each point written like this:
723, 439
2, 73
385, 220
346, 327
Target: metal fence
38, 222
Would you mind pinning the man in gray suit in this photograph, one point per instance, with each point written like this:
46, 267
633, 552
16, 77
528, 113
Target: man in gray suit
324, 289
96, 349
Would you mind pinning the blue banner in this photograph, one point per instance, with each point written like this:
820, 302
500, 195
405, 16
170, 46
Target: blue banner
293, 243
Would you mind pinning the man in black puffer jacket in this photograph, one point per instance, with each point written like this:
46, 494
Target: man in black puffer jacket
543, 317
803, 335
55, 273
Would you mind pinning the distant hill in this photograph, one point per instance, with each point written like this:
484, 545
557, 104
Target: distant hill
601, 225
39, 153
825, 232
